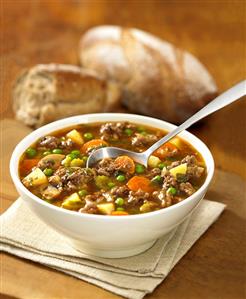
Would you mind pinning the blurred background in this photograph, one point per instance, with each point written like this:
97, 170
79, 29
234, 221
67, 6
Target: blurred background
214, 31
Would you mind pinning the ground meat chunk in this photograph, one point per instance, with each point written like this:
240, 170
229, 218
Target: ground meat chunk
195, 171
190, 160
49, 142
90, 207
143, 140
42, 164
66, 144
70, 179
95, 197
121, 191
173, 164
163, 197
137, 197
153, 172
187, 188
160, 195
109, 197
168, 181
106, 167
114, 131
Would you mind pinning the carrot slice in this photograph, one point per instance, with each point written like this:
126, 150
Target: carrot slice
140, 182
125, 164
165, 150
119, 213
93, 144
28, 164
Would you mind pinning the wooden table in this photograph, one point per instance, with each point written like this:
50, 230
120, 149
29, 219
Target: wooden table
48, 31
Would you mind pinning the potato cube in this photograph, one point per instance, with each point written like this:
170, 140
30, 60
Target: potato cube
181, 169
35, 178
153, 161
176, 141
76, 137
106, 208
72, 202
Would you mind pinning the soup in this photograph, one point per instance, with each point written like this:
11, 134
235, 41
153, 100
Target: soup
54, 169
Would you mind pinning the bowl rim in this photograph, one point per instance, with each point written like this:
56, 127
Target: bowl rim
103, 117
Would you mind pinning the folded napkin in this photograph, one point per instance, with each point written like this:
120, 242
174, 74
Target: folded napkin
24, 235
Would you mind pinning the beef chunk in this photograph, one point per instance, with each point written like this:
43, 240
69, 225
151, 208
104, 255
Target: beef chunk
121, 191
49, 142
52, 142
165, 198
109, 196
187, 188
96, 197
137, 197
195, 171
168, 181
90, 207
143, 140
70, 179
174, 164
114, 131
66, 144
190, 160
106, 167
153, 172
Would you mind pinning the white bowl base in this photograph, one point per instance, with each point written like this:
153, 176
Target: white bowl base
127, 252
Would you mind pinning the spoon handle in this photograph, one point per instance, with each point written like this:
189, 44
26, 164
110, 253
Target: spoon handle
226, 98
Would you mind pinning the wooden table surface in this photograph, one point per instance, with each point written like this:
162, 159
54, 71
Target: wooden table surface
48, 31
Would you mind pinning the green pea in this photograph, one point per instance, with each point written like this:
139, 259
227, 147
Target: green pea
120, 209
161, 165
46, 153
72, 156
157, 179
144, 133
172, 190
139, 168
82, 193
120, 178
120, 201
31, 152
128, 132
88, 136
57, 151
111, 185
76, 153
141, 129
48, 171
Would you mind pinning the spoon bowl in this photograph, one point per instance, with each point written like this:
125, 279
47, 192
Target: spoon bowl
226, 98
114, 152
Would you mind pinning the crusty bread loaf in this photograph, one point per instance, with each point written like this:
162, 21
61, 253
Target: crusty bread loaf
49, 92
156, 78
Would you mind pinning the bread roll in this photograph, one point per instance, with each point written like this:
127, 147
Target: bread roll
48, 92
156, 78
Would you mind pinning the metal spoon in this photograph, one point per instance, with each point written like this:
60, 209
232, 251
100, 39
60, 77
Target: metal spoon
226, 98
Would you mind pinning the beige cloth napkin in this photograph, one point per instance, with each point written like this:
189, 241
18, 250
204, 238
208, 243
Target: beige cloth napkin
24, 235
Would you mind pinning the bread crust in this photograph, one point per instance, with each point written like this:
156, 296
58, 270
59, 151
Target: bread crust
156, 78
48, 92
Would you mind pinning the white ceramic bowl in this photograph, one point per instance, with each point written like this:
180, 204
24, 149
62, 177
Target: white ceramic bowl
108, 236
